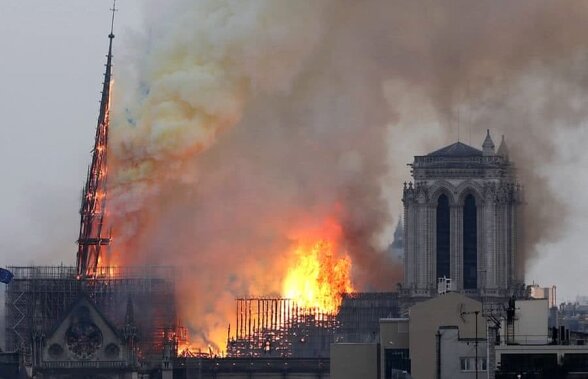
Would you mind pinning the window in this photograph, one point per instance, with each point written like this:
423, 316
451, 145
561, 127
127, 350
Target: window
470, 243
469, 364
396, 360
528, 362
443, 237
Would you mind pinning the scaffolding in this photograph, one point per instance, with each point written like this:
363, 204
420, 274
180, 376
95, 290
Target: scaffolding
278, 327
360, 314
39, 297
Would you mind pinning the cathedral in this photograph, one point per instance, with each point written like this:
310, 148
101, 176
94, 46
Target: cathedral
461, 223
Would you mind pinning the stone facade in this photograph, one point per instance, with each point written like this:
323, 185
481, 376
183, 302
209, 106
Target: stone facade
86, 345
461, 217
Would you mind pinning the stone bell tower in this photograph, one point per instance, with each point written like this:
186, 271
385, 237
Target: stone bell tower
461, 222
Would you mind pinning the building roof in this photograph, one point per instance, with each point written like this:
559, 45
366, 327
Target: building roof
503, 149
457, 149
488, 145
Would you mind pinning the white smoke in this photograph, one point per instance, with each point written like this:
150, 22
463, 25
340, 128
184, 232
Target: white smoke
195, 70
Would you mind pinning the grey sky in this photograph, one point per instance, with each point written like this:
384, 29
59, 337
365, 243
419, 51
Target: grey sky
53, 55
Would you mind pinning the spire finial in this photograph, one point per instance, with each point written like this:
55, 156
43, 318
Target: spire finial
488, 145
503, 149
113, 9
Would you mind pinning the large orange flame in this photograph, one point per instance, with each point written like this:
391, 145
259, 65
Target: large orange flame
320, 271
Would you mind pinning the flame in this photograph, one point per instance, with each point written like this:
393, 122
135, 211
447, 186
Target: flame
106, 271
190, 350
186, 349
320, 271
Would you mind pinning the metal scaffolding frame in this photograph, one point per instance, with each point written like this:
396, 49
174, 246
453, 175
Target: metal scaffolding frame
360, 313
39, 297
278, 327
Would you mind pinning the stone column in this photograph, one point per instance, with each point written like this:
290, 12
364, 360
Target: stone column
488, 250
481, 256
517, 245
510, 244
422, 262
432, 246
502, 259
409, 245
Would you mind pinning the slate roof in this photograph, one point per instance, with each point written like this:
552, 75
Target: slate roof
457, 149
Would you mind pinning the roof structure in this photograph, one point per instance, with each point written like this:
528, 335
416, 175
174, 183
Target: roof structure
457, 149
503, 149
488, 145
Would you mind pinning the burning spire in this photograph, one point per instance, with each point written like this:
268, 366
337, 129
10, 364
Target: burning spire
92, 236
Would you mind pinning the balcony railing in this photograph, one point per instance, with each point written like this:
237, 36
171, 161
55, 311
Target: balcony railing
84, 364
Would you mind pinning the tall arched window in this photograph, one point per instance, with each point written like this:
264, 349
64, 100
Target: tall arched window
443, 228
470, 243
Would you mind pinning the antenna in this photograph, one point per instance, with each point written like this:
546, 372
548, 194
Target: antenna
470, 130
458, 122
113, 9
469, 114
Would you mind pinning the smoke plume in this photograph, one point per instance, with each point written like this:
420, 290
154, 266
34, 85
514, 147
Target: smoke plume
239, 123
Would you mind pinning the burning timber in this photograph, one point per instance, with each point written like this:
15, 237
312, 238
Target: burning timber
40, 296
277, 327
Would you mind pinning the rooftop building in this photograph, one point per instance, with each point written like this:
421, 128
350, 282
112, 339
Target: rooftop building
461, 222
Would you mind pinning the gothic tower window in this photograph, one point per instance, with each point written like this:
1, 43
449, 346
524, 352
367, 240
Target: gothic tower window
443, 228
470, 243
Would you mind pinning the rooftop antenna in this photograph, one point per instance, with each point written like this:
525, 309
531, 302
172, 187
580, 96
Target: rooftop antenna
469, 119
470, 130
458, 123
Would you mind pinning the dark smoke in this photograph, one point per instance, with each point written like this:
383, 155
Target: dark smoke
384, 80
517, 68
